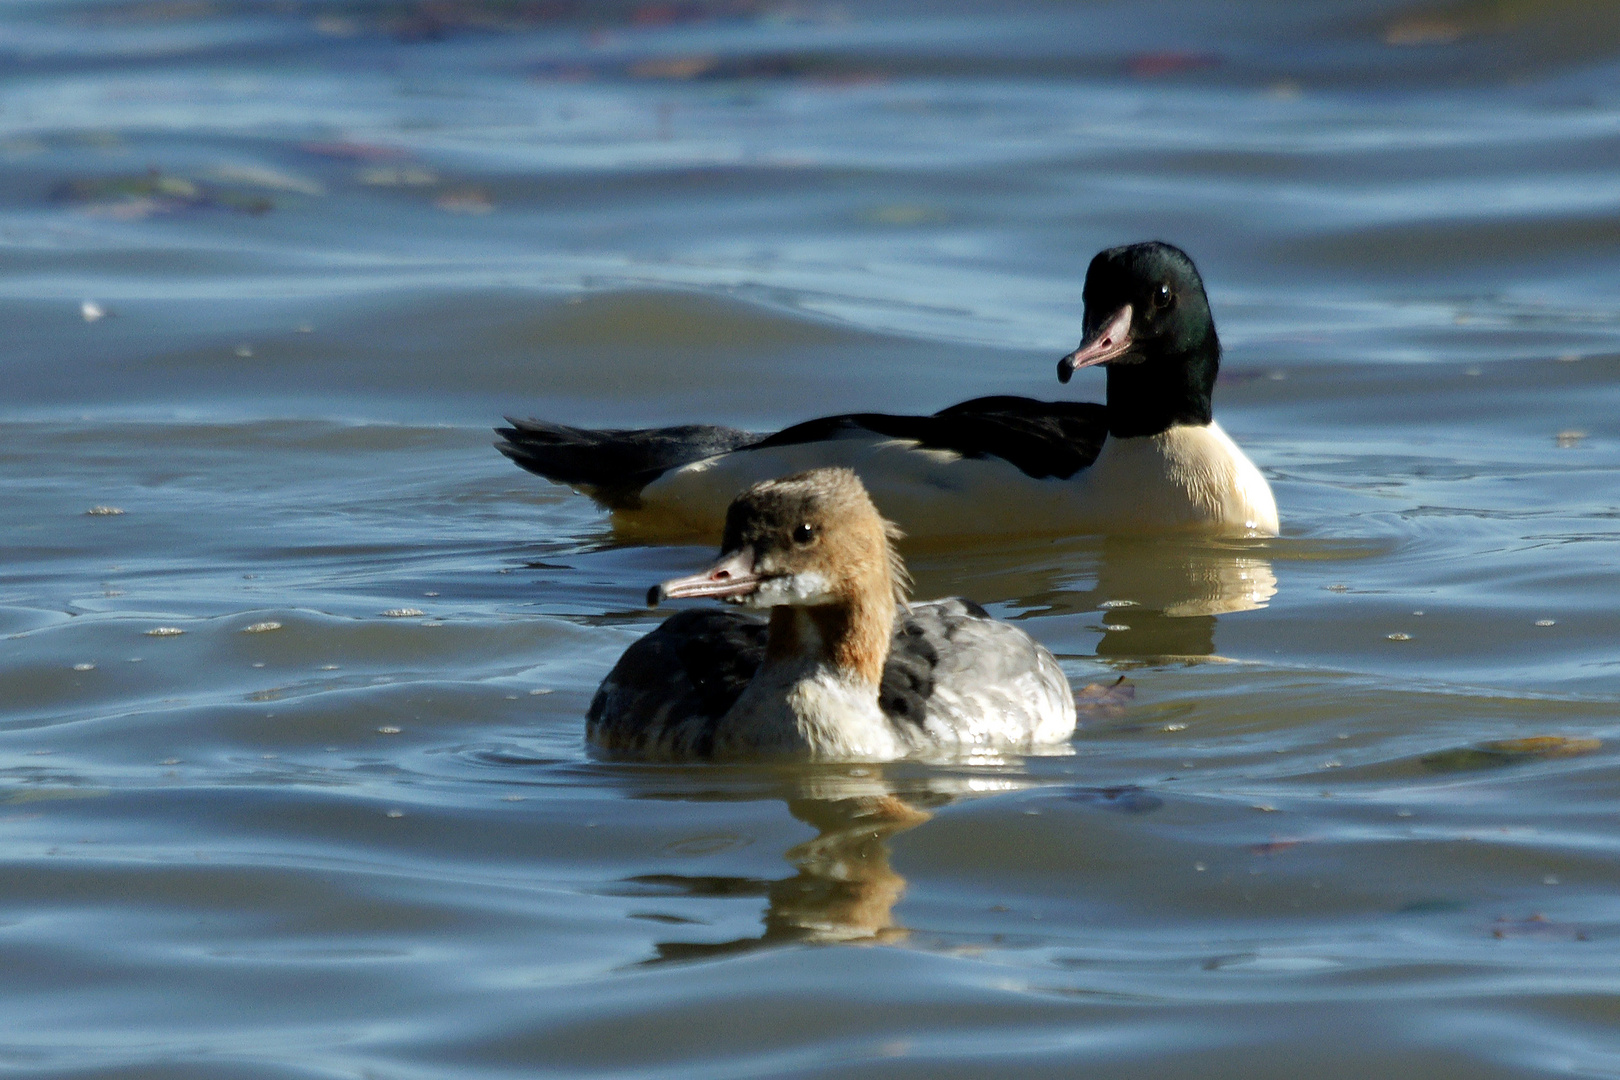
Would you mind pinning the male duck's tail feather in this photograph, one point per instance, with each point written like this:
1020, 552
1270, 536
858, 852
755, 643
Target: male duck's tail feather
612, 466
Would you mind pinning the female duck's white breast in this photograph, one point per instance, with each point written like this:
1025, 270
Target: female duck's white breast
1185, 478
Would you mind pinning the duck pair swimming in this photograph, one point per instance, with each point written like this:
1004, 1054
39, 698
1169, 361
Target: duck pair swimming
1151, 459
843, 668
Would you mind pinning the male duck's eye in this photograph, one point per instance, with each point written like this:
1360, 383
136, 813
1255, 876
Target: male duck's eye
1162, 296
804, 534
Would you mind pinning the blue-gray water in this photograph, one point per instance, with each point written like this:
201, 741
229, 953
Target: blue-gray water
270, 271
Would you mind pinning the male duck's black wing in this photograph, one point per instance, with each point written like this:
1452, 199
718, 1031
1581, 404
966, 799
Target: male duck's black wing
614, 464
1041, 439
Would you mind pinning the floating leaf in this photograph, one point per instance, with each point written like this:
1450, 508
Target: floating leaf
1503, 752
1096, 696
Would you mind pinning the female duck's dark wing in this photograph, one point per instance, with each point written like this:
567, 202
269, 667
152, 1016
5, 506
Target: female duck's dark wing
669, 690
914, 656
966, 677
1040, 438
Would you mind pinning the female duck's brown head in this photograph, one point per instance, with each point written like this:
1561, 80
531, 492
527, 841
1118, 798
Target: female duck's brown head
813, 539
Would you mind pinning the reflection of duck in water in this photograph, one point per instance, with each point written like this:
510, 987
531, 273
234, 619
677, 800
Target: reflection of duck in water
844, 888
842, 670
1160, 598
1151, 460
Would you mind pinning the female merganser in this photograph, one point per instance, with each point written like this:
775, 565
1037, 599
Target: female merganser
1151, 460
843, 669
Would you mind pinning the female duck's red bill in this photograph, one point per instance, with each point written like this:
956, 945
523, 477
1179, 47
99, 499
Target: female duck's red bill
1111, 341
732, 576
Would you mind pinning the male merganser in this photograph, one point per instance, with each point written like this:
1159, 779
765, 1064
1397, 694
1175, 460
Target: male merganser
843, 669
1151, 460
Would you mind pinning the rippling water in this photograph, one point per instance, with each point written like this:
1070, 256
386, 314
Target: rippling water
293, 664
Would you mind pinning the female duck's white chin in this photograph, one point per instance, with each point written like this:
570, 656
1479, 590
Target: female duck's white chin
806, 589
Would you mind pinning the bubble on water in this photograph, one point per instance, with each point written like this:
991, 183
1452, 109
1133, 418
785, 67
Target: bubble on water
404, 613
396, 813
1399, 637
104, 511
244, 352
1337, 588
261, 627
84, 667
91, 311
1264, 808
537, 691
1417, 613
1117, 603
328, 667
1569, 437
1546, 622
430, 594
1175, 727
258, 663
1200, 867
1114, 627
1550, 879
164, 631
170, 761
513, 798
388, 730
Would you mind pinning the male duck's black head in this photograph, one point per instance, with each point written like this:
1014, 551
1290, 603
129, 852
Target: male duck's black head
1148, 320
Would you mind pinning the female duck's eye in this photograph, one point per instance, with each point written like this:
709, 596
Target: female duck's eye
804, 534
1162, 296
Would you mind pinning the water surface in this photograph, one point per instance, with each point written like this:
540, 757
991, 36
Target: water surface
291, 768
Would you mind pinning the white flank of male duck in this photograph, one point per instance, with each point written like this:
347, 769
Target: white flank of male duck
843, 668
1151, 460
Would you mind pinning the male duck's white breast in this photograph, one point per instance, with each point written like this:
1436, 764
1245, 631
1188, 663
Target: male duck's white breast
1189, 477
1186, 478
